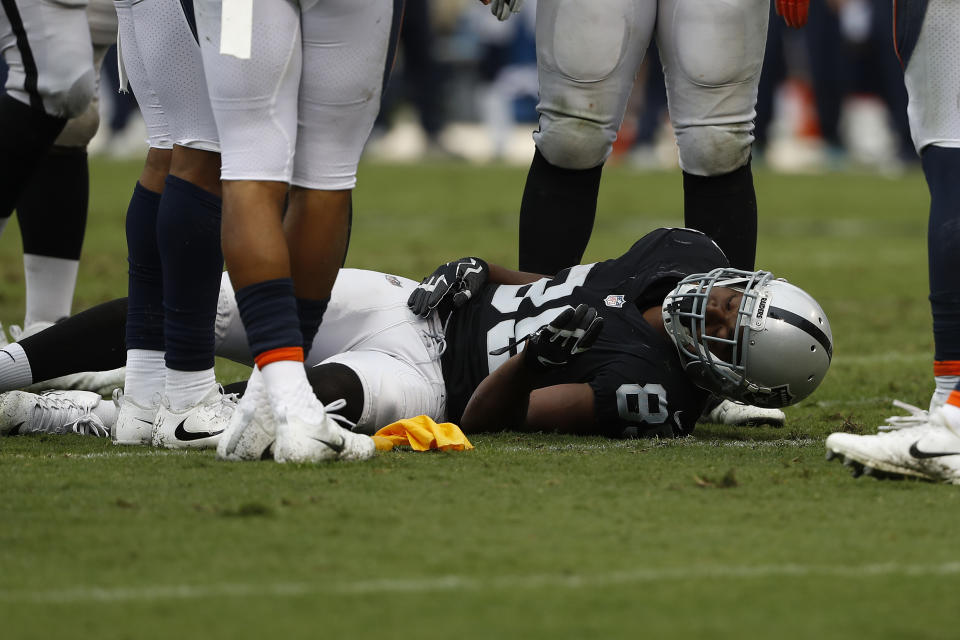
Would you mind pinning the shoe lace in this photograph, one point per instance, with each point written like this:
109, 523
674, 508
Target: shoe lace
89, 424
54, 413
918, 417
336, 405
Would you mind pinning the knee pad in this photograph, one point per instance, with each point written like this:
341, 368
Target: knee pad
80, 129
71, 98
569, 142
713, 150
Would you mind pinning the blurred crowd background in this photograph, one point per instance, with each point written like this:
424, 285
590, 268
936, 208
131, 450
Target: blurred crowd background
465, 88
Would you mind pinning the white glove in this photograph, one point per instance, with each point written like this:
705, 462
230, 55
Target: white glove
503, 8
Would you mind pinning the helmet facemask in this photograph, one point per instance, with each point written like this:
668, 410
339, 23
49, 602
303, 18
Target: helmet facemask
685, 319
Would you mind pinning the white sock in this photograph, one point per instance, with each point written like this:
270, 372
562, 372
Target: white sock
952, 414
50, 283
185, 389
15, 370
288, 388
945, 385
146, 373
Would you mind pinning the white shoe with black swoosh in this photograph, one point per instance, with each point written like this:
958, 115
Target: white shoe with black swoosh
930, 451
134, 425
199, 426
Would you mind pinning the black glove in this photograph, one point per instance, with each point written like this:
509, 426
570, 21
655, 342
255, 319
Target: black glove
572, 332
454, 282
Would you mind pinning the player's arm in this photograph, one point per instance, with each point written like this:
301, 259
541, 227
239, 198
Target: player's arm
502, 275
506, 399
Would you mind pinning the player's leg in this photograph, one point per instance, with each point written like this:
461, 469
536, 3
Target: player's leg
927, 36
145, 343
587, 57
56, 198
931, 75
51, 79
92, 340
712, 55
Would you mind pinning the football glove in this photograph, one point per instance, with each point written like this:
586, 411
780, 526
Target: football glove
572, 332
503, 8
794, 12
454, 283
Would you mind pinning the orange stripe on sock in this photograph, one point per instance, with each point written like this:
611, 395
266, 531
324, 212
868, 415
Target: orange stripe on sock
275, 355
954, 399
946, 367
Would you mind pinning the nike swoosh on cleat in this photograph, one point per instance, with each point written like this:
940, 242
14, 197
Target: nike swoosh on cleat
182, 434
920, 455
336, 447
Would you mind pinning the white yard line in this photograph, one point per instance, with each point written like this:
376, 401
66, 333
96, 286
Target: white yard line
459, 583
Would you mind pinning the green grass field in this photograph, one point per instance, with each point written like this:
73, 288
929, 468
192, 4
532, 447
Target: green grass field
737, 533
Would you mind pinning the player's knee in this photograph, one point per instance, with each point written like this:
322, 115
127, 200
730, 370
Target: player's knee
71, 96
80, 129
574, 143
715, 149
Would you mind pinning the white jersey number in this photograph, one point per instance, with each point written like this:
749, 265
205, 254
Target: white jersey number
506, 300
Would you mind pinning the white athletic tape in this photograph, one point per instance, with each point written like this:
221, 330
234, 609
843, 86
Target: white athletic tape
457, 583
236, 28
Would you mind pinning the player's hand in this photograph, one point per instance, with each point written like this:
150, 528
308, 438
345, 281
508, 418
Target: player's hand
454, 282
503, 8
572, 332
794, 12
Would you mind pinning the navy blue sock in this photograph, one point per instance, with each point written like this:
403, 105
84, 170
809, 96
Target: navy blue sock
941, 166
145, 284
310, 313
268, 310
188, 236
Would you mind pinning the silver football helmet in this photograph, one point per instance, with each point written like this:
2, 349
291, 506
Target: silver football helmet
777, 355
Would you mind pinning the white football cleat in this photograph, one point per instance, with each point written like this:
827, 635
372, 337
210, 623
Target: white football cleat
134, 425
734, 413
930, 451
253, 427
56, 412
316, 436
197, 427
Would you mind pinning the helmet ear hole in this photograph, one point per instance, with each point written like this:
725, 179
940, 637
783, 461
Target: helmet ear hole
813, 347
811, 378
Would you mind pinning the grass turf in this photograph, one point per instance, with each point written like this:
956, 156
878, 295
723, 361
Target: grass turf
736, 533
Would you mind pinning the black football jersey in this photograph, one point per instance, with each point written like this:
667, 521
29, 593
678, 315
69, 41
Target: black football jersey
639, 386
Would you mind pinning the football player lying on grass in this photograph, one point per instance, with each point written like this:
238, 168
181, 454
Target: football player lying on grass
492, 349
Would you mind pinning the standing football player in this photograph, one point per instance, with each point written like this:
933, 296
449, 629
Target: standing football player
48, 115
588, 54
927, 444
295, 89
170, 395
